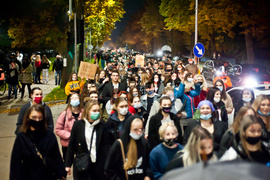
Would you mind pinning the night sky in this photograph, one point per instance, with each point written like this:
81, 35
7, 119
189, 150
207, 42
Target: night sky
131, 7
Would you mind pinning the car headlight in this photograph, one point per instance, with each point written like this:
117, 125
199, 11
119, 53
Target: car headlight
250, 81
218, 73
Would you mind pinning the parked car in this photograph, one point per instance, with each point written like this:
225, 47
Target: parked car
258, 90
213, 68
248, 75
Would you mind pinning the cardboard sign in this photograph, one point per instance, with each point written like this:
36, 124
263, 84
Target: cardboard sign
139, 61
87, 70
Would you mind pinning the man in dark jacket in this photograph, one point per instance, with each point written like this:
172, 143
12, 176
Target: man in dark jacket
58, 66
107, 91
36, 95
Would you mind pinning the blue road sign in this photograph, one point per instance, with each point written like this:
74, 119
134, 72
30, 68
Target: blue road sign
198, 50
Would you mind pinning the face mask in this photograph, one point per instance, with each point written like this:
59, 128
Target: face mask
38, 99
110, 68
150, 92
220, 88
94, 115
137, 106
208, 155
216, 100
205, 116
123, 111
35, 124
246, 99
265, 115
155, 80
189, 79
135, 136
178, 69
190, 62
74, 102
120, 69
169, 142
200, 83
129, 73
253, 140
135, 95
166, 109
74, 79
168, 70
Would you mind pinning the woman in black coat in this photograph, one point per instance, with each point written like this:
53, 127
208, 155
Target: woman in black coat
88, 137
33, 146
136, 151
214, 95
164, 115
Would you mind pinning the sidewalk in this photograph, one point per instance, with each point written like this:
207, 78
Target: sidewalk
14, 104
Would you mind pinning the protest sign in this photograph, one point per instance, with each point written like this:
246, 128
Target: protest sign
87, 70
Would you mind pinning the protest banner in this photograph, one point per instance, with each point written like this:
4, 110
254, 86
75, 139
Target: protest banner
87, 70
139, 61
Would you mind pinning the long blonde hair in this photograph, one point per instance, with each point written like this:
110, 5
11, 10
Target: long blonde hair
256, 106
144, 78
191, 152
132, 153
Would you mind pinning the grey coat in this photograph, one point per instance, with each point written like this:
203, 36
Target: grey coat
26, 76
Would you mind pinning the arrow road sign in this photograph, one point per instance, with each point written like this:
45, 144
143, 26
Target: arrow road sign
198, 50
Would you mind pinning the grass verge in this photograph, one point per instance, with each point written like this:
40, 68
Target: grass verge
56, 94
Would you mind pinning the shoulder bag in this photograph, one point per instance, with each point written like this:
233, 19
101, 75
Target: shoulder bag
123, 156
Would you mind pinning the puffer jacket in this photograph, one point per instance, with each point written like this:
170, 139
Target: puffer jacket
64, 126
179, 93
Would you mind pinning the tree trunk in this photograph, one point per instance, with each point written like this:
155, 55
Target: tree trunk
249, 48
213, 42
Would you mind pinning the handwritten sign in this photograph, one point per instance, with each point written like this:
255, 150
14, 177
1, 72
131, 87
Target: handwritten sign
139, 61
87, 70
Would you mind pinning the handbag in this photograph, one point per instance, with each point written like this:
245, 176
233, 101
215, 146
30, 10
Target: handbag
123, 156
82, 161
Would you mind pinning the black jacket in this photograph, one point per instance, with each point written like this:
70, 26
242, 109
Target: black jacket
224, 116
26, 164
115, 126
77, 145
45, 65
58, 64
219, 130
155, 123
48, 115
114, 163
107, 90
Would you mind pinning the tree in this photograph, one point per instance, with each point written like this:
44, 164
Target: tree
39, 29
101, 16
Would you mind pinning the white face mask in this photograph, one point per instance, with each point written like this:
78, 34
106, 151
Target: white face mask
189, 79
74, 79
135, 136
216, 100
246, 99
123, 111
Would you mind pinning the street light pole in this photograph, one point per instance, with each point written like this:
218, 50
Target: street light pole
196, 25
75, 43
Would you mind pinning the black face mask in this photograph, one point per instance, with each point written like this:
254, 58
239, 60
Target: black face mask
35, 124
253, 140
166, 109
110, 68
208, 156
168, 70
169, 142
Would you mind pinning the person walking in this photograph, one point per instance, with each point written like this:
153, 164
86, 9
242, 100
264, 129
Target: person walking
57, 68
12, 78
26, 80
35, 154
38, 68
45, 65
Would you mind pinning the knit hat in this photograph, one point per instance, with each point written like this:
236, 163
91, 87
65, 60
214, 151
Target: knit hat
206, 102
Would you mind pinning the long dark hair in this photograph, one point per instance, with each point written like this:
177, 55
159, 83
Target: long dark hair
223, 93
39, 108
252, 93
211, 94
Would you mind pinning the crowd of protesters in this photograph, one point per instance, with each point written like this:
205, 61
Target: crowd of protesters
137, 122
22, 71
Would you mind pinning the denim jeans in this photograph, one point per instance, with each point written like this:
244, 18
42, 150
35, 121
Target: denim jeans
59, 73
10, 86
